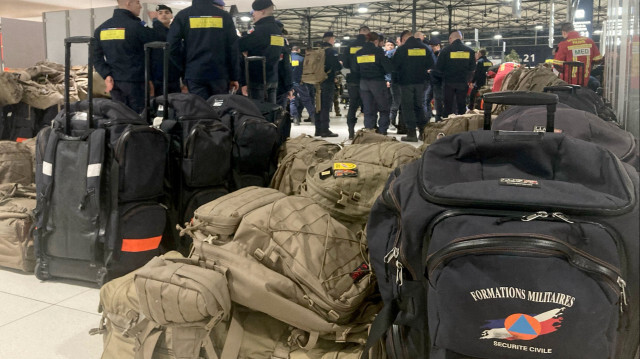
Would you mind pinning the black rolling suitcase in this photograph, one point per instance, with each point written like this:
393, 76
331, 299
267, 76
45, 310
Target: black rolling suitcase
99, 182
199, 160
583, 98
508, 245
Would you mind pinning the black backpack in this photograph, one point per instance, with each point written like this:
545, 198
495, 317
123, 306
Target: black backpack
508, 245
255, 140
99, 173
584, 99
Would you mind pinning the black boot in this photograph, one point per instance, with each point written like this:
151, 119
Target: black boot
410, 137
351, 133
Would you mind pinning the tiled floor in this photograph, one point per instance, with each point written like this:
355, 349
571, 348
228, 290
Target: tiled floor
52, 319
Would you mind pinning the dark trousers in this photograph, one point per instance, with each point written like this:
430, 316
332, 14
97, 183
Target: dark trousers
130, 94
375, 99
257, 91
472, 97
326, 98
303, 95
354, 103
434, 92
455, 98
174, 87
208, 88
396, 101
412, 101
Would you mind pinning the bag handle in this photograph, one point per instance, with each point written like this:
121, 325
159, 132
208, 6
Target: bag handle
521, 98
562, 88
164, 46
91, 41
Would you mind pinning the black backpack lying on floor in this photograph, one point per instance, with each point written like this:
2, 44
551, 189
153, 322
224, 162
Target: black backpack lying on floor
508, 245
582, 98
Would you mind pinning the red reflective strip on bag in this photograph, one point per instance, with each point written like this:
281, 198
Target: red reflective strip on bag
20, 139
140, 244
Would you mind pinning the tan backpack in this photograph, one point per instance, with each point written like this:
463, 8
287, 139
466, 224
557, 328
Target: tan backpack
388, 154
296, 156
164, 310
16, 164
291, 260
17, 203
366, 135
313, 67
346, 189
452, 125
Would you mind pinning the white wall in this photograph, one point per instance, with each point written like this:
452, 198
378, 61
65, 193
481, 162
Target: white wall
22, 42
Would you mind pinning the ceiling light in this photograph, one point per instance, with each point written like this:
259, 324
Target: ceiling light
579, 14
497, 36
467, 43
435, 32
597, 32
245, 18
337, 44
347, 37
539, 27
362, 9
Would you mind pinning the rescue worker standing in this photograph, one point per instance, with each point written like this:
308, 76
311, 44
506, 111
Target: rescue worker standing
434, 89
161, 25
576, 48
331, 66
353, 78
119, 54
480, 75
204, 44
412, 62
265, 40
456, 62
301, 91
373, 65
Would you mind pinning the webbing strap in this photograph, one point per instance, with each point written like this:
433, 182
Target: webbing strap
233, 342
147, 340
384, 320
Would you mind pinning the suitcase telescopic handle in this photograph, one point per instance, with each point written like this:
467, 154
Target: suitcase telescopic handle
562, 88
91, 41
264, 72
521, 98
164, 46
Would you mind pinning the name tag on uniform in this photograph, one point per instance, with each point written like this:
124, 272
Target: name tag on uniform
460, 55
277, 40
295, 63
417, 52
488, 64
581, 52
112, 34
366, 59
205, 22
353, 50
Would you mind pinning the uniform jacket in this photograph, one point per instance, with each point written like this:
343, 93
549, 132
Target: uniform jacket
412, 61
371, 63
285, 72
331, 62
265, 40
350, 59
157, 57
204, 43
456, 62
297, 62
576, 48
480, 74
119, 50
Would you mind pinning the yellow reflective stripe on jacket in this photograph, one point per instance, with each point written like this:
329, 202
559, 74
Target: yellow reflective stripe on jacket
353, 50
366, 59
205, 22
112, 34
460, 55
277, 40
417, 52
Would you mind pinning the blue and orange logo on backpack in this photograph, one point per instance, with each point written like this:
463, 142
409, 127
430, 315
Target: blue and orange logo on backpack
522, 326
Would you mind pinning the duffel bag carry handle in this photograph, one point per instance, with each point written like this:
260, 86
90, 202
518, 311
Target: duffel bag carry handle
563, 88
91, 41
164, 46
521, 98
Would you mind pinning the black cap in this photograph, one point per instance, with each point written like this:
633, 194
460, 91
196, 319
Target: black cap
328, 34
164, 7
434, 41
261, 4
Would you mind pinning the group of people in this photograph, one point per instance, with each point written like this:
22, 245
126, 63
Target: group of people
208, 56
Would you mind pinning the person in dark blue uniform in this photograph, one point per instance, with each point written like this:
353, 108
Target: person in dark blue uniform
353, 78
456, 62
204, 45
285, 80
119, 54
301, 91
161, 24
412, 62
434, 89
372, 66
331, 67
265, 40
480, 75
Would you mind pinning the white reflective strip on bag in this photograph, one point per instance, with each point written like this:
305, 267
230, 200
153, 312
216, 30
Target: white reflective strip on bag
94, 170
47, 169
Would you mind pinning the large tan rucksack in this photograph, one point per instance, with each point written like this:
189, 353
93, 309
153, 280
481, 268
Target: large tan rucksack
17, 203
313, 72
388, 154
296, 156
366, 135
291, 260
10, 89
452, 125
164, 310
16, 164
